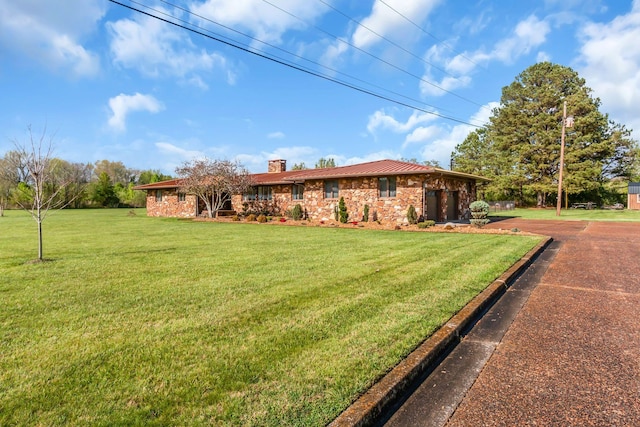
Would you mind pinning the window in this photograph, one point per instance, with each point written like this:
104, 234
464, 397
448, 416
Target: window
387, 186
297, 192
331, 189
261, 192
158, 195
264, 193
182, 197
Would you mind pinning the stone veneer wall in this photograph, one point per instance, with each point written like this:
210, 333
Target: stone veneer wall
360, 191
170, 206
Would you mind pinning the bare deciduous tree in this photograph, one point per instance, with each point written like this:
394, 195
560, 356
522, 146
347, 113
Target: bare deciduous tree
40, 189
213, 181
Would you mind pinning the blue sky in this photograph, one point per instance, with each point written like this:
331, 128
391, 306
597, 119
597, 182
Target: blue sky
111, 83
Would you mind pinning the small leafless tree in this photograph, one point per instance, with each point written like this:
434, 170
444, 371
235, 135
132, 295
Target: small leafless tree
213, 181
39, 192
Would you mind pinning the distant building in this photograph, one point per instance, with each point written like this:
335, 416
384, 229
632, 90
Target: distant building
633, 197
387, 187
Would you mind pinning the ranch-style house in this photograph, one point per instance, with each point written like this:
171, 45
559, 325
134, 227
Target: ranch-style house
388, 187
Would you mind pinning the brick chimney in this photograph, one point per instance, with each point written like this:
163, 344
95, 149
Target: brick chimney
277, 166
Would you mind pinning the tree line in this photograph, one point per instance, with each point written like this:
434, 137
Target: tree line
104, 183
519, 149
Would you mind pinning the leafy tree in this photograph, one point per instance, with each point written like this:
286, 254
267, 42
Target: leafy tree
299, 166
117, 171
325, 163
151, 176
520, 147
104, 192
77, 177
213, 181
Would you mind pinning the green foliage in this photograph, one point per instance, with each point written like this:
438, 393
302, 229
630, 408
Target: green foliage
296, 212
103, 192
426, 224
299, 166
150, 176
520, 147
261, 218
412, 215
102, 336
479, 206
343, 216
326, 163
365, 215
261, 207
479, 212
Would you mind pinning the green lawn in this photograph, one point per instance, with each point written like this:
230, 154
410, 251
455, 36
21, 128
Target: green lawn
148, 321
573, 214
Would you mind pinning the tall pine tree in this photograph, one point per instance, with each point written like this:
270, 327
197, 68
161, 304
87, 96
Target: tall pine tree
520, 147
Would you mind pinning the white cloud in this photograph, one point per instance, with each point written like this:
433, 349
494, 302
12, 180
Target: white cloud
442, 146
276, 135
610, 63
421, 134
294, 154
382, 120
50, 33
333, 52
371, 157
122, 105
173, 150
258, 18
527, 35
390, 24
156, 49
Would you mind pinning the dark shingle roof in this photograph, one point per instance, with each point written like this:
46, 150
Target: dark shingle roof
634, 188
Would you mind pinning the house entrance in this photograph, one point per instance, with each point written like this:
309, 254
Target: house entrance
452, 205
226, 207
432, 202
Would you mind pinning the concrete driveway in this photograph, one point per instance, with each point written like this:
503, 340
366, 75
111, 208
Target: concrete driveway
572, 355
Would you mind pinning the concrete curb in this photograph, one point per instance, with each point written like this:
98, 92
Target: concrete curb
368, 407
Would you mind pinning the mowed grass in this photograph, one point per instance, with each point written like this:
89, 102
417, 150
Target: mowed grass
573, 214
148, 321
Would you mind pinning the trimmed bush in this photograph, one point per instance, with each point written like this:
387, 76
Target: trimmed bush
261, 218
479, 212
342, 211
426, 224
296, 213
365, 215
412, 215
251, 217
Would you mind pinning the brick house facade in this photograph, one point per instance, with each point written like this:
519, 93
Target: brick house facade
633, 196
388, 187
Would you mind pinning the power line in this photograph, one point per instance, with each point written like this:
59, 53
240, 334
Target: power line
292, 66
277, 48
376, 57
427, 32
360, 24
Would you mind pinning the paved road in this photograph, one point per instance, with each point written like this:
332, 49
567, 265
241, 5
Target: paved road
571, 357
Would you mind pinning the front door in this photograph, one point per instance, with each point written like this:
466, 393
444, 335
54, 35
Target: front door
452, 205
432, 202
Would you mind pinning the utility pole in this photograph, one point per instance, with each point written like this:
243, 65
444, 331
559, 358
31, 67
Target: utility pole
565, 122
